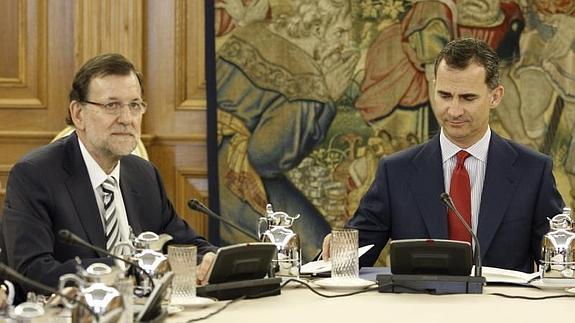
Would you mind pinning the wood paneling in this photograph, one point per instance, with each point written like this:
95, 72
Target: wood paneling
176, 96
16, 143
109, 26
45, 42
184, 173
10, 16
190, 80
175, 59
192, 183
23, 79
33, 98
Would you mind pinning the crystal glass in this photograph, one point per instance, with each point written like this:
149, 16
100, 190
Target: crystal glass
125, 286
343, 250
182, 259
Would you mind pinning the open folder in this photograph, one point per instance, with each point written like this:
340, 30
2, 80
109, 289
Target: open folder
324, 267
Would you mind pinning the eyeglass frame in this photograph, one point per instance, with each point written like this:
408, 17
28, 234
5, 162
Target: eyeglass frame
143, 105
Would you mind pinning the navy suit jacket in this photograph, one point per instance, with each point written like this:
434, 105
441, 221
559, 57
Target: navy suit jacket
519, 193
50, 189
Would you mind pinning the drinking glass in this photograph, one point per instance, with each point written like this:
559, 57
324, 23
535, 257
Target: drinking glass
125, 286
343, 250
182, 259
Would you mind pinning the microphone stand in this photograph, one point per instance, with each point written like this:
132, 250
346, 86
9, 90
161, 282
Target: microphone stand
198, 206
437, 284
476, 250
237, 287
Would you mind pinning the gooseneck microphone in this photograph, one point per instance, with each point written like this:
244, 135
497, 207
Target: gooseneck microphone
15, 276
70, 238
198, 206
446, 199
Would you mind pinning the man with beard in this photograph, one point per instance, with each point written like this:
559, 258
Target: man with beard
89, 183
277, 87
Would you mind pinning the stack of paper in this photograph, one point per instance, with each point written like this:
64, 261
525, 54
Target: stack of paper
505, 276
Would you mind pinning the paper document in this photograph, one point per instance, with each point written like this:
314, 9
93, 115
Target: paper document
506, 276
321, 266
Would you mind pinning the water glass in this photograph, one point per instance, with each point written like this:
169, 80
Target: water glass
344, 253
182, 259
125, 286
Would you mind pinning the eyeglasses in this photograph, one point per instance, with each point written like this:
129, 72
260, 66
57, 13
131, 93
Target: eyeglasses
115, 107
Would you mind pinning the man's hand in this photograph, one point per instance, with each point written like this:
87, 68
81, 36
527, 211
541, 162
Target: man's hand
325, 247
203, 269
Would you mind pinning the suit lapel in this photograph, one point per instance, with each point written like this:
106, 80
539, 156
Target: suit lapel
130, 195
499, 185
80, 189
426, 184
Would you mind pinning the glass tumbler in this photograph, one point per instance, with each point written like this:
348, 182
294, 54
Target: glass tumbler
344, 253
182, 259
125, 286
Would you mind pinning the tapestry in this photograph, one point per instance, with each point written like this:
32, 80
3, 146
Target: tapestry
308, 95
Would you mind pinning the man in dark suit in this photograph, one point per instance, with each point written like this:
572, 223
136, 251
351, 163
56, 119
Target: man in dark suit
510, 189
89, 183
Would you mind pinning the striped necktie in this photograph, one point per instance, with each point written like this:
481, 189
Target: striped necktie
110, 218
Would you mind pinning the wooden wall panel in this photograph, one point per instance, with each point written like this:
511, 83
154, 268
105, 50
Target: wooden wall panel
35, 99
184, 174
109, 26
10, 16
192, 183
175, 59
23, 79
190, 80
177, 114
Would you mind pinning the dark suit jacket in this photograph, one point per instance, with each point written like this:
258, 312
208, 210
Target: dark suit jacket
49, 190
519, 193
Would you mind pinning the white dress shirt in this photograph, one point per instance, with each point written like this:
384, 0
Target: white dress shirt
97, 177
474, 164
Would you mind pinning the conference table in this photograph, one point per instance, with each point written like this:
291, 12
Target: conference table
298, 304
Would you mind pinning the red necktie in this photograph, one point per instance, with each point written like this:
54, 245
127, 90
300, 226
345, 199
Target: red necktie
460, 192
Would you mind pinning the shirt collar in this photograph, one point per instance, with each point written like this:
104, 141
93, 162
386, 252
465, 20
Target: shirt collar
477, 150
96, 173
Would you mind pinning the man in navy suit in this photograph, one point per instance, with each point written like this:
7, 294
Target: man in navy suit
512, 187
62, 185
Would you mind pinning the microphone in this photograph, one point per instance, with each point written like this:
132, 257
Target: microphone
236, 284
414, 278
70, 238
21, 279
198, 206
446, 199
